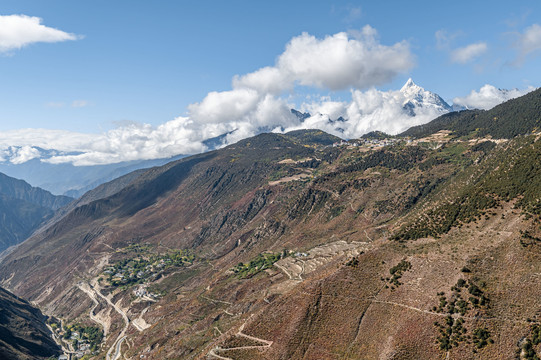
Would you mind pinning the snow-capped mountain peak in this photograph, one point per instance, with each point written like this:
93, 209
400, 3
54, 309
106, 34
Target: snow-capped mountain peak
410, 86
417, 97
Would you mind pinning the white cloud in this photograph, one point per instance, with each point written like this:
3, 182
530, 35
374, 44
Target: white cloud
442, 39
258, 102
353, 13
269, 80
79, 103
341, 61
468, 53
489, 96
325, 105
17, 31
138, 142
19, 155
47, 139
74, 104
132, 142
336, 62
367, 111
224, 106
528, 43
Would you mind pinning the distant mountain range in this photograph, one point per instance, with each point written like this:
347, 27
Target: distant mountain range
73, 181
23, 208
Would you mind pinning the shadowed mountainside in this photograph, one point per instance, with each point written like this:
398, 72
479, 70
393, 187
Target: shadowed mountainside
23, 334
23, 209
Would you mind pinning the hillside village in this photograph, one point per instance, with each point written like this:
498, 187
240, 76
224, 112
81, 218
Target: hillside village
143, 268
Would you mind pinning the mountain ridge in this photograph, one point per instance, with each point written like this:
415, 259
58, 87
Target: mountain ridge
512, 118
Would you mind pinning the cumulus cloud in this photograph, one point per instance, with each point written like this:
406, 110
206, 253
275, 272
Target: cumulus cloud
489, 96
270, 80
367, 110
468, 53
17, 31
341, 61
528, 42
325, 105
138, 142
224, 106
258, 101
336, 62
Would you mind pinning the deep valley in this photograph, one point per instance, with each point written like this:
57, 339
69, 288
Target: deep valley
424, 245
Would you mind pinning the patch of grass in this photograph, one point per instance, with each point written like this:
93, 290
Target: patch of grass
255, 266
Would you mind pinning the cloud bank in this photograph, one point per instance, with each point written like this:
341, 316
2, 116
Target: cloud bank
246, 115
367, 111
17, 31
132, 142
489, 96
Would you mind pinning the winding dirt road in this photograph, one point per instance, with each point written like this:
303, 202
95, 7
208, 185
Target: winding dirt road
92, 293
239, 333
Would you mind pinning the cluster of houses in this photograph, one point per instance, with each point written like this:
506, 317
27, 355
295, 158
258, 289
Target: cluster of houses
81, 347
142, 292
369, 143
129, 273
141, 269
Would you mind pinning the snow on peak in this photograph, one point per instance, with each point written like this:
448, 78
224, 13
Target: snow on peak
416, 97
409, 84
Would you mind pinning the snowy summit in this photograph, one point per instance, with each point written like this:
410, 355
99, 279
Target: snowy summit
418, 97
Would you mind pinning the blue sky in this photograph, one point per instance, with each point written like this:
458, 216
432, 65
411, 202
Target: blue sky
147, 61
